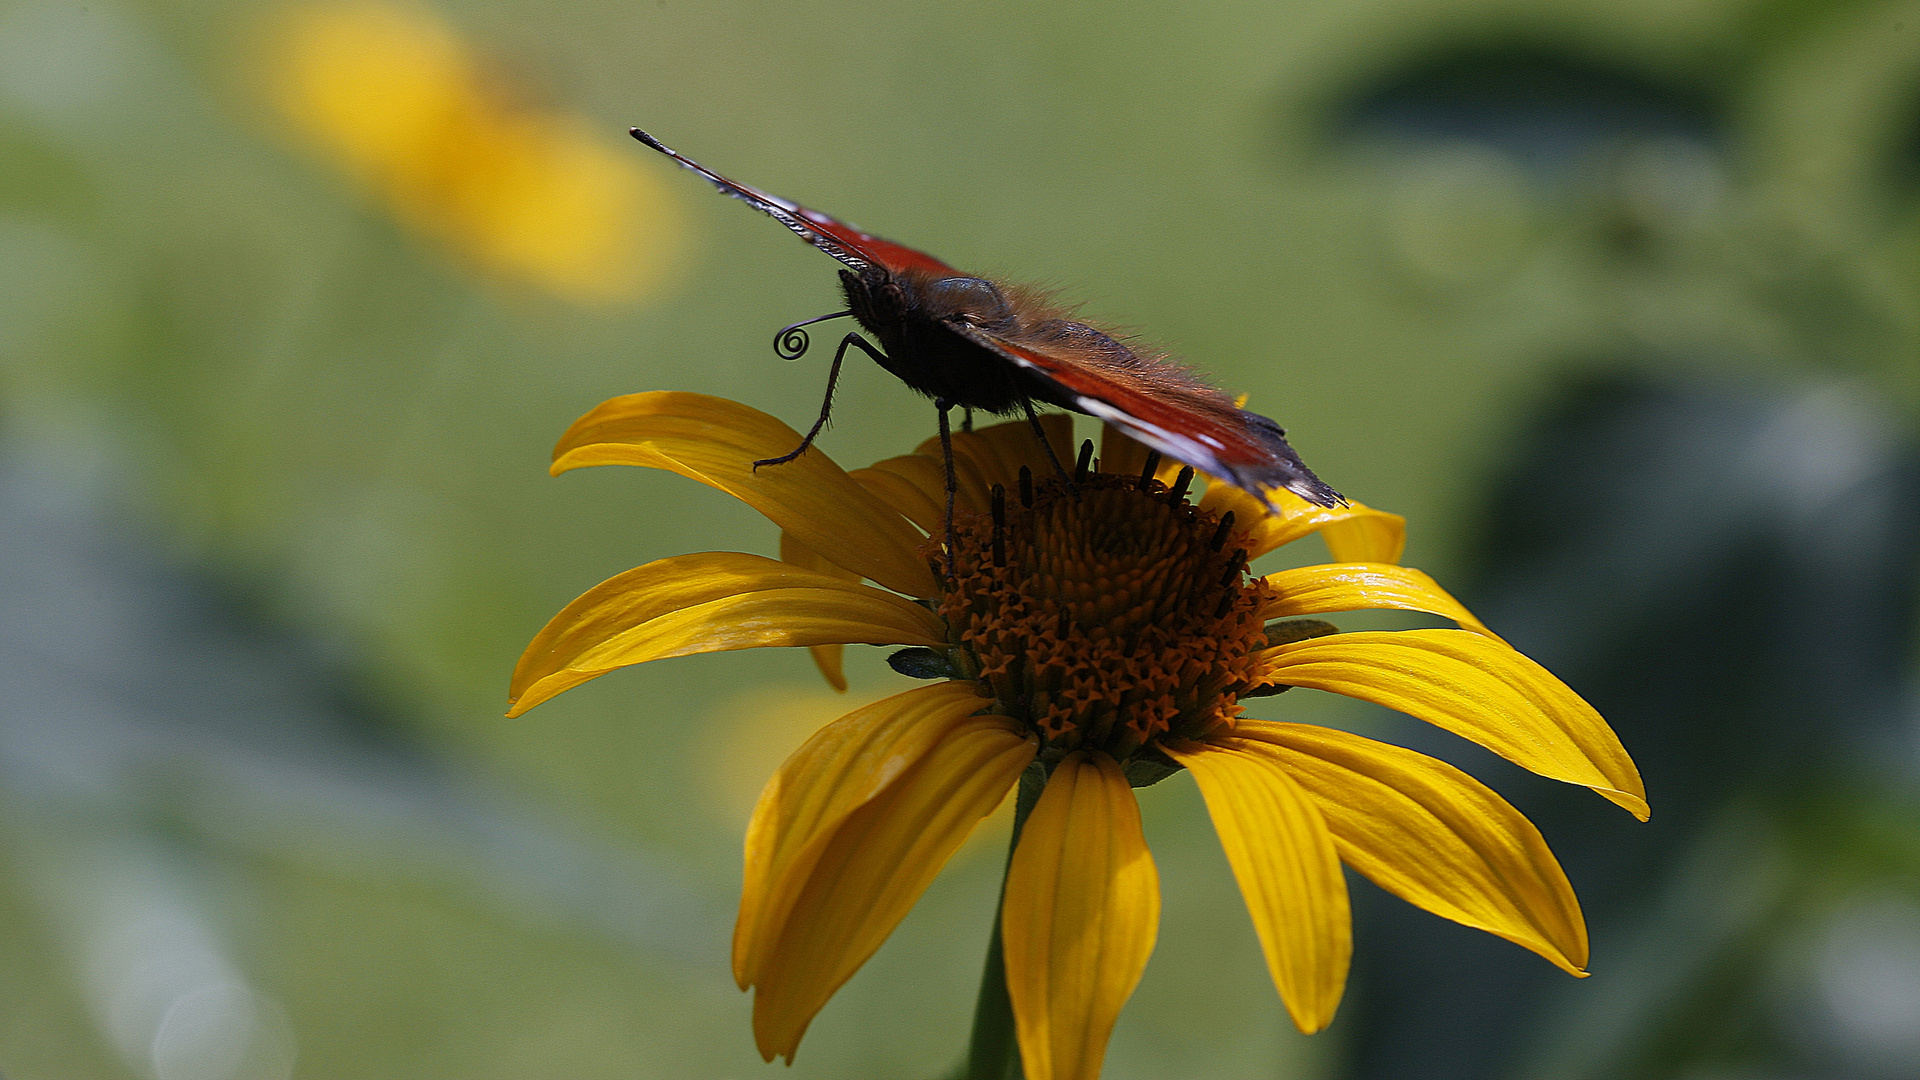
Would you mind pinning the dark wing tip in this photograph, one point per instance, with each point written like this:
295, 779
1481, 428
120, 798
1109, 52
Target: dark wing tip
1284, 467
1316, 491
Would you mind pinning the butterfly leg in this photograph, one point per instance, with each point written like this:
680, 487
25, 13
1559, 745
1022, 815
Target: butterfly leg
1040, 433
953, 482
826, 407
966, 418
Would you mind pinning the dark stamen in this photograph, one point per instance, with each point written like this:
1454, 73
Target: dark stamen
1060, 631
1180, 485
1081, 466
1220, 534
999, 525
1152, 466
1233, 566
1026, 487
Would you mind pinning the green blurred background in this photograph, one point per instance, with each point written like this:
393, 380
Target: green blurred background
275, 522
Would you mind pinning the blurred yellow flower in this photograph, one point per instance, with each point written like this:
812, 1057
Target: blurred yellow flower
1095, 635
747, 733
391, 95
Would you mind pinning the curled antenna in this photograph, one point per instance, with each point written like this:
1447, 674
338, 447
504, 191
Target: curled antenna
791, 342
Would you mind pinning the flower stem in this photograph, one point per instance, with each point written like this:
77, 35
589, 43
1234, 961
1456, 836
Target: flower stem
994, 1052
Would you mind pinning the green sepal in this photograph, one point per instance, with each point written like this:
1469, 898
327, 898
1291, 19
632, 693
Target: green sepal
920, 662
1284, 633
1148, 768
1292, 630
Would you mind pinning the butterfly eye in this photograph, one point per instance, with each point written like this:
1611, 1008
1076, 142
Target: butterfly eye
970, 300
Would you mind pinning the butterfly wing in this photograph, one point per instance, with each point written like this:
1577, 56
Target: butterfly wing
856, 249
1156, 402
1159, 404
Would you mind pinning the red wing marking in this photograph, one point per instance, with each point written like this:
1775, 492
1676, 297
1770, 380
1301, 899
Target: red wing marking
842, 241
1160, 404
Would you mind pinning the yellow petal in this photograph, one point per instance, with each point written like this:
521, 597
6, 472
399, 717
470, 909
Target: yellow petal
971, 482
913, 485
1358, 533
1120, 453
710, 602
831, 660
716, 442
993, 455
1284, 859
1003, 449
1430, 834
1356, 586
1353, 533
880, 858
1081, 911
834, 773
1477, 688
828, 658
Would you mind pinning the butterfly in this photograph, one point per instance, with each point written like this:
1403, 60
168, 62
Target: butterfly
967, 341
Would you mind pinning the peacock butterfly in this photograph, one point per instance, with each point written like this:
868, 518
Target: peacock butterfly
964, 340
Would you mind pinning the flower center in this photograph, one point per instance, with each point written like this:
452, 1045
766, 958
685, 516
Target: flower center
1107, 616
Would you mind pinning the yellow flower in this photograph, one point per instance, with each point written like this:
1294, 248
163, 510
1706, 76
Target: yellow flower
395, 99
1102, 632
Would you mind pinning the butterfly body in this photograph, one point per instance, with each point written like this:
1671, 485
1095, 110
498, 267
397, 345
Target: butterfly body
965, 340
918, 319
